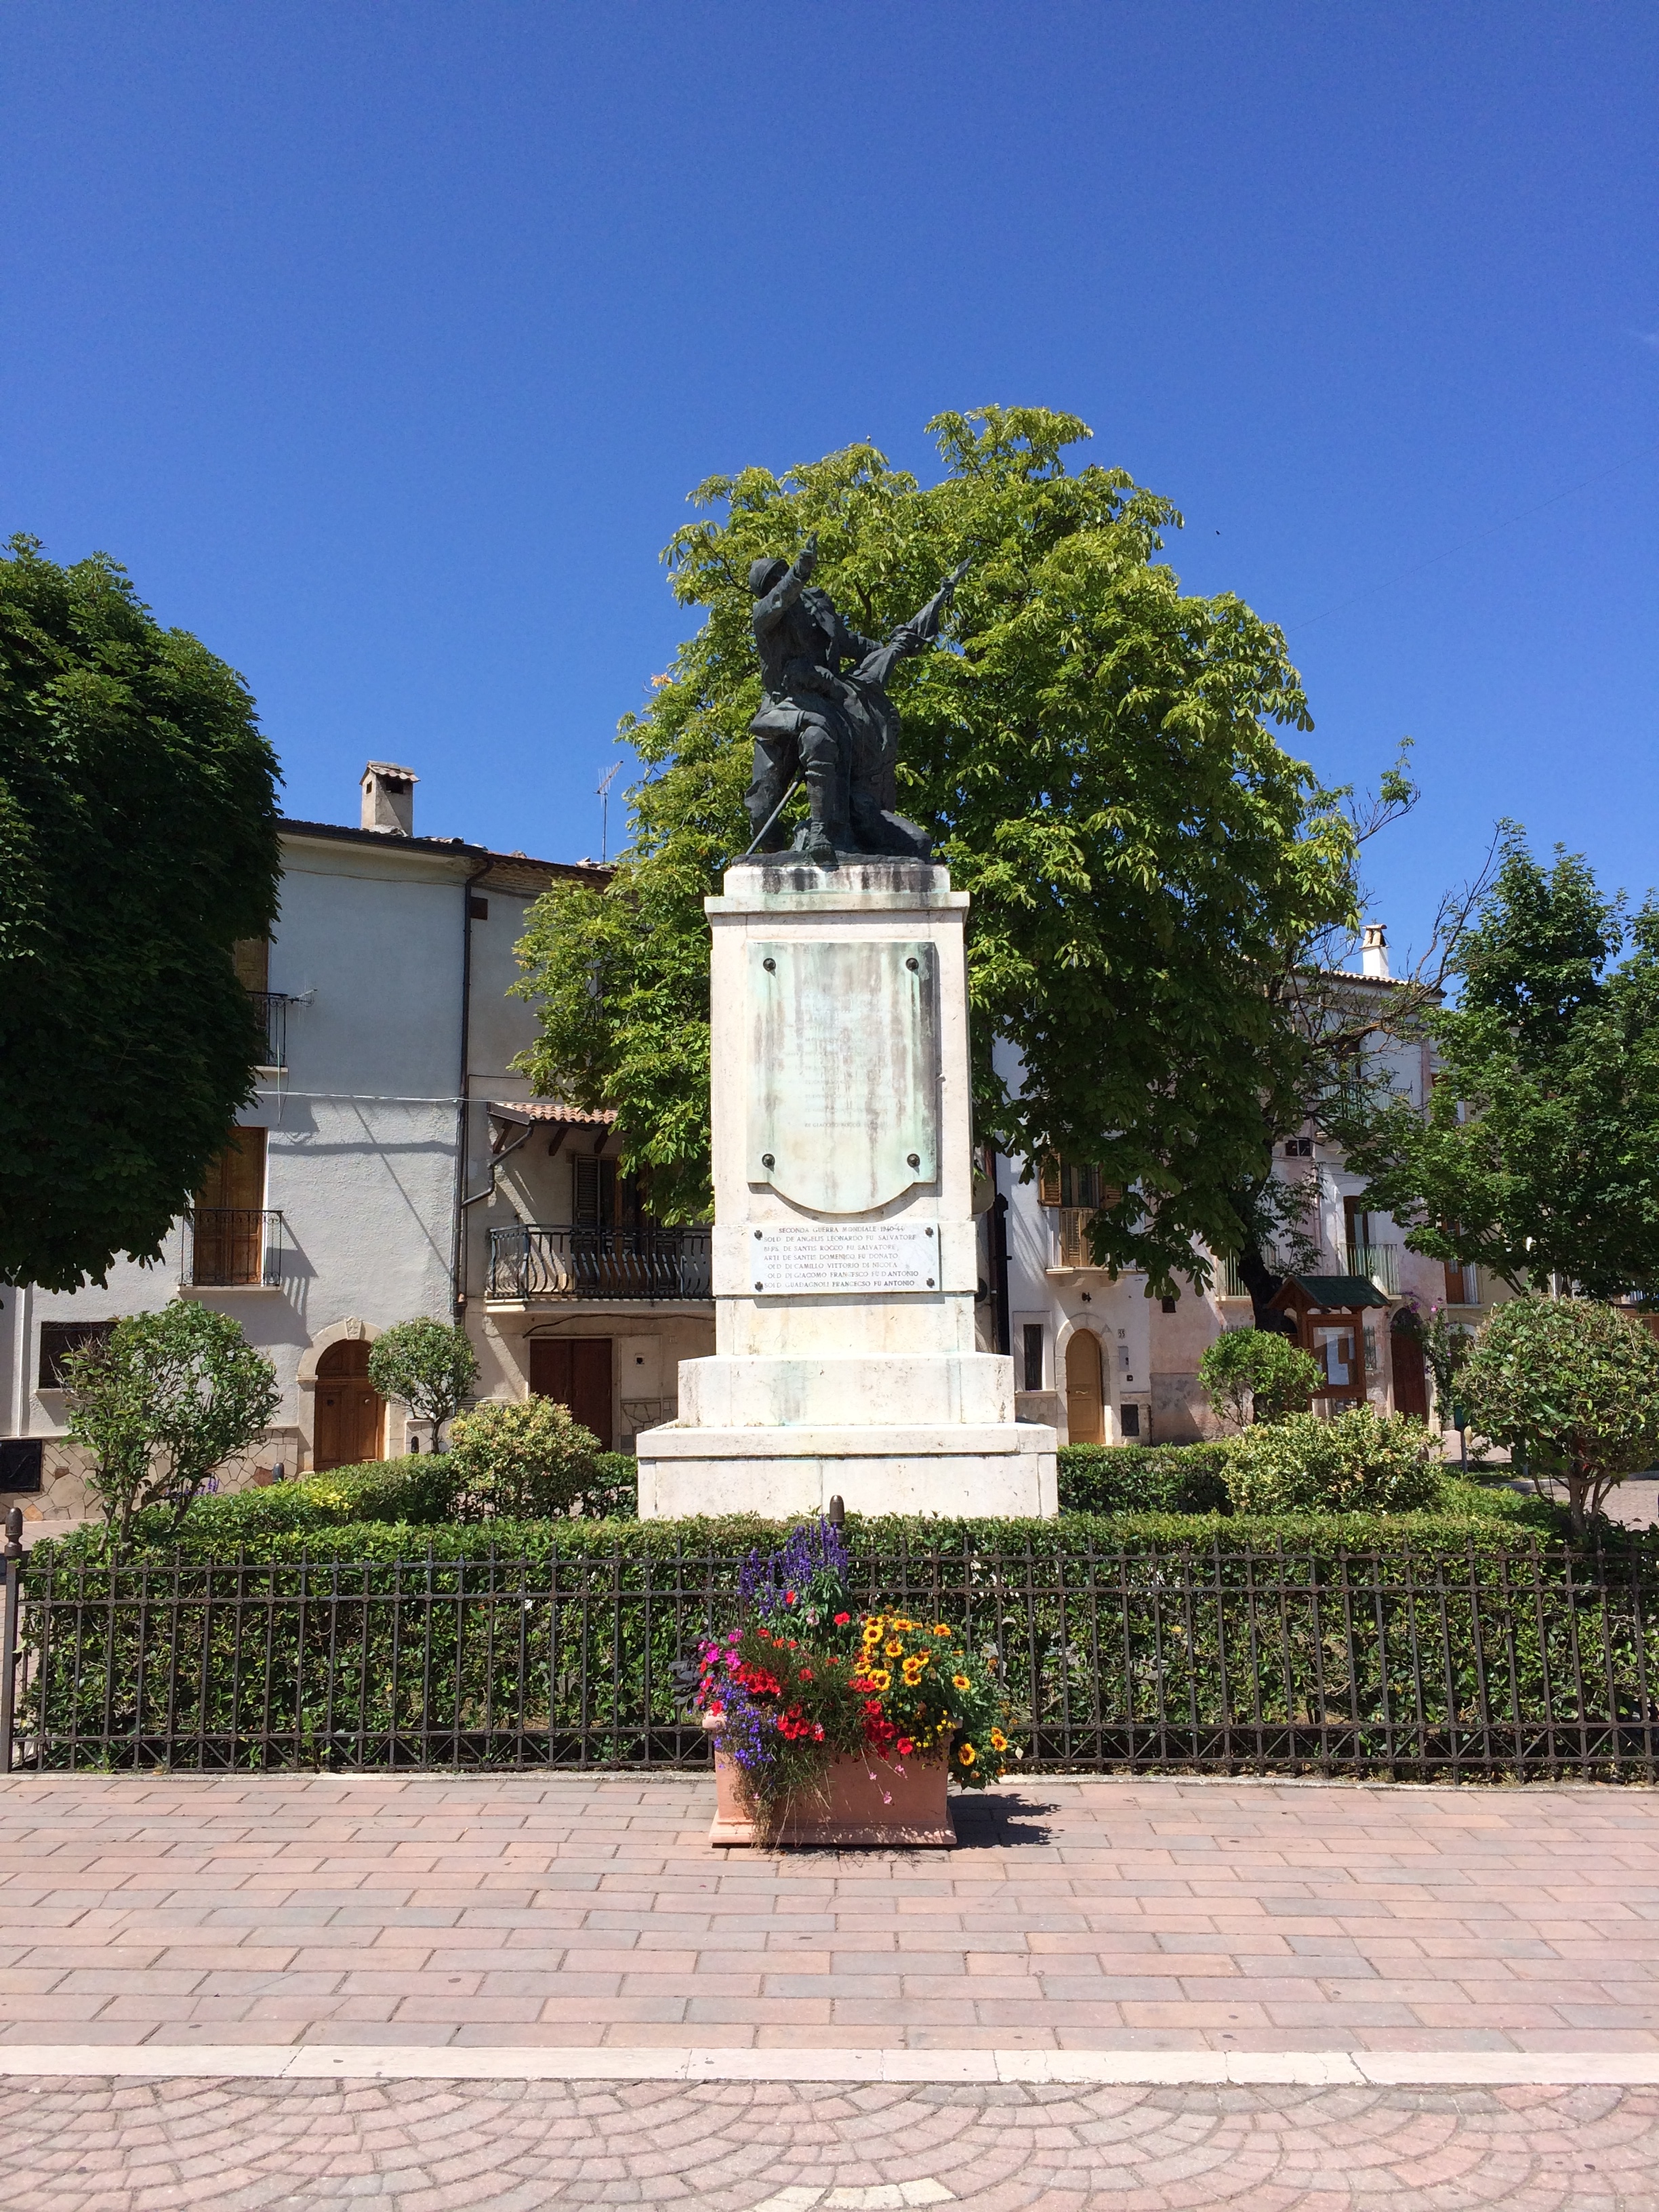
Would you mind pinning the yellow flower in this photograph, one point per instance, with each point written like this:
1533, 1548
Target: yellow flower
881, 1678
939, 1629
967, 1754
913, 1672
961, 1682
999, 1742
872, 1632
894, 1648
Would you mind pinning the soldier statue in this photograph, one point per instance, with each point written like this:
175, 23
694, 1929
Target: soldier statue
826, 719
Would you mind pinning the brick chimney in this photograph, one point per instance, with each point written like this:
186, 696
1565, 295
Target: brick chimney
1374, 953
389, 799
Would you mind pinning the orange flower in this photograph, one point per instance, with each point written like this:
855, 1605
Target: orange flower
961, 1682
967, 1754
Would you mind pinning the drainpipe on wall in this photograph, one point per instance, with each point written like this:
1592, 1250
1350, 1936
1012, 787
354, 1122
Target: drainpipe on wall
462, 1101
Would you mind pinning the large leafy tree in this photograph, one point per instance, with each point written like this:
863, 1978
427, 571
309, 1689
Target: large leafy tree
137, 843
1094, 756
1538, 1154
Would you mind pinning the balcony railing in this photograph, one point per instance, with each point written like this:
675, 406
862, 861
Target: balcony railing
550, 1265
271, 1009
229, 1246
1378, 1264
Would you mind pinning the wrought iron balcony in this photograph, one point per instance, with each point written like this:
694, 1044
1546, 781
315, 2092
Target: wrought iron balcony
227, 1247
548, 1265
271, 1008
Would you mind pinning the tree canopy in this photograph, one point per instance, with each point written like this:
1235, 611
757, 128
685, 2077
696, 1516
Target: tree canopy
1093, 753
137, 843
1538, 1156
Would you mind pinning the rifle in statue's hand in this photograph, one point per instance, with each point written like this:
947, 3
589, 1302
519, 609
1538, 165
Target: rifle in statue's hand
922, 629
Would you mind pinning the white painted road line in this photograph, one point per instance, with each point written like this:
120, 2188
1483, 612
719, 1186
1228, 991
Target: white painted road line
313, 2061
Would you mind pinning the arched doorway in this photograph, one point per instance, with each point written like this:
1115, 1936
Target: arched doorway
350, 1411
1411, 1381
1085, 1403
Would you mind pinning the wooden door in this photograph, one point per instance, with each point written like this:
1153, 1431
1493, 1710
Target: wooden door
1411, 1381
229, 1224
350, 1411
1086, 1421
576, 1370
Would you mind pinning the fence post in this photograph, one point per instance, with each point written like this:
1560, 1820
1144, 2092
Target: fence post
14, 1556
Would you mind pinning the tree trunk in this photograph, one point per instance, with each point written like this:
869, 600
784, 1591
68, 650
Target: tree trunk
1260, 1280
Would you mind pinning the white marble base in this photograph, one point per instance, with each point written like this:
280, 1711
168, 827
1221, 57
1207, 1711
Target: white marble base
989, 1472
748, 1392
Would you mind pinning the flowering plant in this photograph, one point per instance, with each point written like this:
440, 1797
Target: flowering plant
807, 1680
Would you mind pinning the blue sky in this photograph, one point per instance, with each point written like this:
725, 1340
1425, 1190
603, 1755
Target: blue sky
384, 343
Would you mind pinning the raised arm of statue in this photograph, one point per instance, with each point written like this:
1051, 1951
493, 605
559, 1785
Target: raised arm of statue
778, 594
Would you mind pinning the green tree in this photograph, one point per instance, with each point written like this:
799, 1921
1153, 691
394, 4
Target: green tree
1575, 1385
1093, 756
138, 842
430, 1365
1256, 1375
165, 1398
1538, 1154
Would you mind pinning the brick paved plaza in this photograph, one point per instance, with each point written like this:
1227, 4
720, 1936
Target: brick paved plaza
235, 1983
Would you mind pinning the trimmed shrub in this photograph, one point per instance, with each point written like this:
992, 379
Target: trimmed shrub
528, 1459
1360, 1461
1144, 1478
1256, 1375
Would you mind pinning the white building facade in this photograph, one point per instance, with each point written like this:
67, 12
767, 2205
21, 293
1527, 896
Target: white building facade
391, 1167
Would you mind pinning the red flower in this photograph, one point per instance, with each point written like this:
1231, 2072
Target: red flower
805, 1675
905, 1746
841, 1619
789, 1597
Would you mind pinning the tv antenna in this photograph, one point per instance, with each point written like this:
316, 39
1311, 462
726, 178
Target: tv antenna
605, 784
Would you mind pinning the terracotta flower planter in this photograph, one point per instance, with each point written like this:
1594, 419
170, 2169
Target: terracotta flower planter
907, 1806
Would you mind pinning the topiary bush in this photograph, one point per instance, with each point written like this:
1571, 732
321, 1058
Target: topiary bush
529, 1460
1361, 1461
1144, 1478
1573, 1383
1256, 1375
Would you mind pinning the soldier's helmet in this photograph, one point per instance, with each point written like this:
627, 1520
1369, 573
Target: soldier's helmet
763, 574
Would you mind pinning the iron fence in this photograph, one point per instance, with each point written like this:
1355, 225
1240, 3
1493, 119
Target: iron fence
548, 1264
1482, 1665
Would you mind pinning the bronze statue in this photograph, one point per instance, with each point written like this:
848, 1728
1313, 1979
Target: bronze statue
828, 724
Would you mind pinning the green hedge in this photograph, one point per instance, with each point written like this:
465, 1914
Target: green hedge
1142, 1478
1488, 1518
417, 1492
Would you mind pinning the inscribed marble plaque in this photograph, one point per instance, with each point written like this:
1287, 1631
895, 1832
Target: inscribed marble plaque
852, 1255
843, 1070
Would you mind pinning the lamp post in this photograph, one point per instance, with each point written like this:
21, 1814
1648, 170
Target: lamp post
1460, 1423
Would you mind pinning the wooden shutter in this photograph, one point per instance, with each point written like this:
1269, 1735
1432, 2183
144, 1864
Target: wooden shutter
1048, 1183
236, 1177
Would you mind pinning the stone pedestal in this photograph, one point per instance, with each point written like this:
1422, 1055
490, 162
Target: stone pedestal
845, 1247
